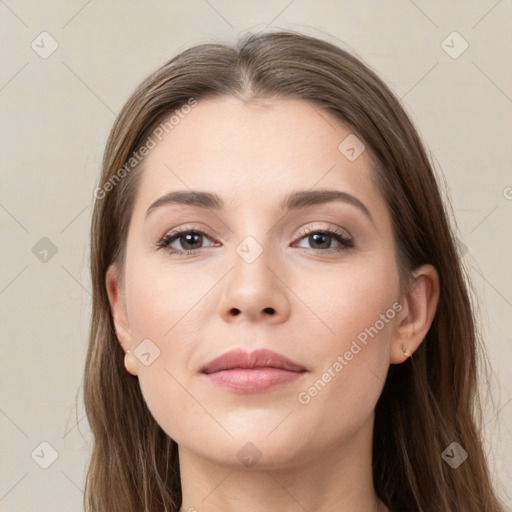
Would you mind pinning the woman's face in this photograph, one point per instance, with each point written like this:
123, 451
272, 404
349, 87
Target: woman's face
260, 276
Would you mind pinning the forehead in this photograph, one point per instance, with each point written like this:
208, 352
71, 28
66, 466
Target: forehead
255, 151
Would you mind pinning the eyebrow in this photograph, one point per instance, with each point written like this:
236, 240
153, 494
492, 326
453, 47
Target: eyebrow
292, 201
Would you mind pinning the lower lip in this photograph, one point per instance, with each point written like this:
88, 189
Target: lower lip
253, 381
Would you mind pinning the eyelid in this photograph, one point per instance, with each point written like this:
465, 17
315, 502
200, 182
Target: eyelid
175, 233
341, 235
344, 239
303, 231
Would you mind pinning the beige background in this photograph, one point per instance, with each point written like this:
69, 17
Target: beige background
55, 116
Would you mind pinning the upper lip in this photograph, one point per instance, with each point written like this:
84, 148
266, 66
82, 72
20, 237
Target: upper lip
261, 358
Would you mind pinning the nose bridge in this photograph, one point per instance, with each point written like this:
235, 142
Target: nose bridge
255, 247
253, 260
253, 288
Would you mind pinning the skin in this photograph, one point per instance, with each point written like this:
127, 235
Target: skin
314, 456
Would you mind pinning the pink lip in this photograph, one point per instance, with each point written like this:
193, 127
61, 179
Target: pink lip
260, 370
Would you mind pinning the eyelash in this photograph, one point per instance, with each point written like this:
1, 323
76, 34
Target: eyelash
346, 243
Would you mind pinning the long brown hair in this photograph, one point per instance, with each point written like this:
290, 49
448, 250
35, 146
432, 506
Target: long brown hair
428, 402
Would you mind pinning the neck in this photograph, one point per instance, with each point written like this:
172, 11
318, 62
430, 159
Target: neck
336, 480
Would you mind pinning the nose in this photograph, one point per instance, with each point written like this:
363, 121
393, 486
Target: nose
255, 291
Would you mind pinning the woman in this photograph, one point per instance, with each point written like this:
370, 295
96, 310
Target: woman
280, 317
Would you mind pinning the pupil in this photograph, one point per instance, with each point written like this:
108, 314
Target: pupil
315, 237
189, 238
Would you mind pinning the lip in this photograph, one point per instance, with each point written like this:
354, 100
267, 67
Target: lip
251, 372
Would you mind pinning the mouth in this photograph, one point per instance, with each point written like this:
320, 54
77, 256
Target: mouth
261, 370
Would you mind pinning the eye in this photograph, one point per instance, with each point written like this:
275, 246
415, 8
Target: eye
187, 241
190, 241
321, 239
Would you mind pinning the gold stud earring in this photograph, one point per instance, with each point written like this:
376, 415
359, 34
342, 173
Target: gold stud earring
404, 350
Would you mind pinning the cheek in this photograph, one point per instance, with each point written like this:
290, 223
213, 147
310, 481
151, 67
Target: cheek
164, 306
342, 302
354, 322
160, 299
352, 355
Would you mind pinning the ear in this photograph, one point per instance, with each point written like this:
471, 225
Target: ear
117, 300
419, 307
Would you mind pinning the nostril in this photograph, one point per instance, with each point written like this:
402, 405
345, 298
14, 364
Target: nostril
270, 311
